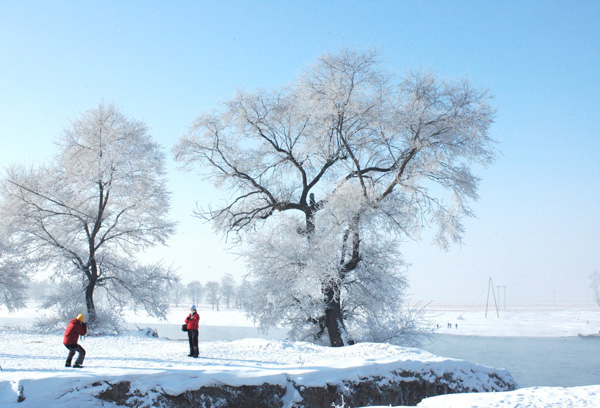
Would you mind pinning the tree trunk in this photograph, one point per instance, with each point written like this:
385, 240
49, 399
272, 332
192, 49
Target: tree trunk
89, 300
92, 279
333, 318
333, 321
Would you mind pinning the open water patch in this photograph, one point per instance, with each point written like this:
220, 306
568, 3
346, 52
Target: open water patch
533, 361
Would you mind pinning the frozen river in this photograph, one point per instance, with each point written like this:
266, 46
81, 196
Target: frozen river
533, 361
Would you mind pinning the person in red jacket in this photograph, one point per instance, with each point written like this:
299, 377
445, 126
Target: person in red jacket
192, 331
76, 328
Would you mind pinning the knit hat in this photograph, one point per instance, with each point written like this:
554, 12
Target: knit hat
80, 317
193, 307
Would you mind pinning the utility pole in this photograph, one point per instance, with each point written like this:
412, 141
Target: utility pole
491, 285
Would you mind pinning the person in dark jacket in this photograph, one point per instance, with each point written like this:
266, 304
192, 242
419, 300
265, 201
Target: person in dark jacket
192, 331
76, 328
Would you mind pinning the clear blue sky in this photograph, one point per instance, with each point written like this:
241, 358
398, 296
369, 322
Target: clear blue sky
538, 225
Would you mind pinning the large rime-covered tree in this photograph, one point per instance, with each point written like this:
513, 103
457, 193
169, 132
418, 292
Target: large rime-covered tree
86, 214
327, 175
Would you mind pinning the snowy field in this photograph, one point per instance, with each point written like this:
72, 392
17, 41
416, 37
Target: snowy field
518, 320
35, 362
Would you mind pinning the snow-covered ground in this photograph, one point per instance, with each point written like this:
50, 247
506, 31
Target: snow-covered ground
537, 397
35, 362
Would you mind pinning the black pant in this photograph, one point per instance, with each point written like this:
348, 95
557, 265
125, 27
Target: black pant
193, 338
75, 348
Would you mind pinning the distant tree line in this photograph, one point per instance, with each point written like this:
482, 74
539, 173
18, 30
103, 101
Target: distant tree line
218, 294
224, 293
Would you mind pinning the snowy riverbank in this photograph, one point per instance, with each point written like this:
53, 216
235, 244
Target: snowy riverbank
34, 362
33, 370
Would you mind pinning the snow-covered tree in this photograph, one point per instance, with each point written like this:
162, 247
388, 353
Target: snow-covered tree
242, 294
213, 293
93, 208
228, 288
194, 292
14, 277
177, 292
326, 176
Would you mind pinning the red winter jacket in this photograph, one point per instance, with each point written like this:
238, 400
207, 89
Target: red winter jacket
192, 321
74, 330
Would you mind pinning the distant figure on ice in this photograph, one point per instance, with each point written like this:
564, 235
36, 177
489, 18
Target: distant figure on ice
192, 331
456, 325
76, 328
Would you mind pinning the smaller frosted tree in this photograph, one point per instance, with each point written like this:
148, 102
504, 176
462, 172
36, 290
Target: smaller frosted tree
228, 288
87, 214
243, 294
213, 294
177, 292
194, 291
